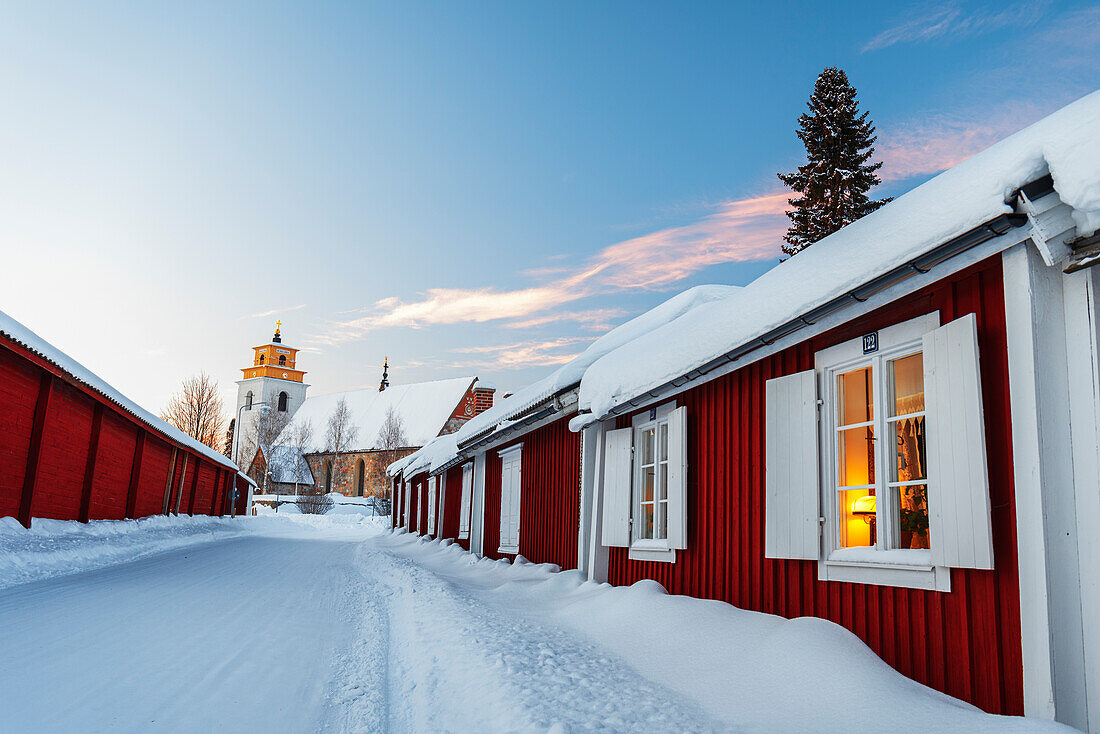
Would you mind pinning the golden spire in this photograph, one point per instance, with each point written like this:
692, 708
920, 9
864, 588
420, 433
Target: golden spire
278, 325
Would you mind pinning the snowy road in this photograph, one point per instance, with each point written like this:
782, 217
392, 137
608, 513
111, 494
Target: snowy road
284, 625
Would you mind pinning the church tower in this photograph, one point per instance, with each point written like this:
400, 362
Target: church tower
273, 380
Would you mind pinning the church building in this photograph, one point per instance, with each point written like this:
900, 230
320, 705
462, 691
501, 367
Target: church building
272, 402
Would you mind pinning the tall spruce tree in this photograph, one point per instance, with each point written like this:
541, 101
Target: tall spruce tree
833, 183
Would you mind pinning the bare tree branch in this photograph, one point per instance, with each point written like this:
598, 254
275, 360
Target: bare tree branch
197, 410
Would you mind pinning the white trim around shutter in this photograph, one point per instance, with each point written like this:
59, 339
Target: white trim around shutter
407, 506
464, 507
677, 478
617, 470
792, 496
959, 527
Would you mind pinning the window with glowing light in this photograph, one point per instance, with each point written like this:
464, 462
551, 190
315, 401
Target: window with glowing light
878, 451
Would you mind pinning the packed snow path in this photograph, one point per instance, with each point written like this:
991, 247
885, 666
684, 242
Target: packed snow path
330, 624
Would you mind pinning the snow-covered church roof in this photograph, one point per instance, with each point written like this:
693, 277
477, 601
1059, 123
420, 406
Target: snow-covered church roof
424, 408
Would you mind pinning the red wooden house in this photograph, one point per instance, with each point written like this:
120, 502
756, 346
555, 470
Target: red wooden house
898, 430
74, 448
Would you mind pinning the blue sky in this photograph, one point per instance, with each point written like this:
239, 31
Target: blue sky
468, 188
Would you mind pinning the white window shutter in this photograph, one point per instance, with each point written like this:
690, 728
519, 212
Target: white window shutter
618, 467
408, 500
505, 500
792, 497
464, 507
677, 478
959, 526
510, 481
433, 485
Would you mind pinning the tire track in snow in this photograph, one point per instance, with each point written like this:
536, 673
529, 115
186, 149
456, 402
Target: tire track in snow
457, 663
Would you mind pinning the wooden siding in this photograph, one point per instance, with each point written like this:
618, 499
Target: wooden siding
453, 506
549, 502
88, 463
965, 642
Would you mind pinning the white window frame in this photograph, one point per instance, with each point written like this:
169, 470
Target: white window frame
897, 567
509, 455
648, 549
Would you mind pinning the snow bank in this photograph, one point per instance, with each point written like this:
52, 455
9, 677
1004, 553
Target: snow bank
743, 670
59, 547
1065, 144
20, 334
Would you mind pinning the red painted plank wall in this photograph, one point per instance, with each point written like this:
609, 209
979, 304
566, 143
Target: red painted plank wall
154, 470
66, 432
549, 496
18, 395
112, 469
65, 439
453, 506
965, 642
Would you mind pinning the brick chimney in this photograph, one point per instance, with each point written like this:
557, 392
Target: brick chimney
483, 396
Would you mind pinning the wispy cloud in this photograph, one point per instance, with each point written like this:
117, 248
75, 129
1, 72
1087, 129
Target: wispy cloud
525, 354
937, 142
596, 319
950, 20
740, 231
274, 311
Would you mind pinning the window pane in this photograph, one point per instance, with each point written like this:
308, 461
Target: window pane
910, 462
647, 446
854, 396
908, 384
647, 484
913, 516
857, 517
856, 456
664, 442
646, 530
662, 489
662, 520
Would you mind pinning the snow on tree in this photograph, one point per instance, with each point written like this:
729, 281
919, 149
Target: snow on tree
391, 440
269, 424
341, 433
197, 410
833, 183
300, 435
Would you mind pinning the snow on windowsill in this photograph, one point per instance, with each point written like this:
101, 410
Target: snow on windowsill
917, 558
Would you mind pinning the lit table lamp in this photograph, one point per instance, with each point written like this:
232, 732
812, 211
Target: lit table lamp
866, 508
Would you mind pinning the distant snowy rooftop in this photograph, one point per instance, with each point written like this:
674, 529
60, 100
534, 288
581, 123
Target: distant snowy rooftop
1066, 145
424, 407
20, 334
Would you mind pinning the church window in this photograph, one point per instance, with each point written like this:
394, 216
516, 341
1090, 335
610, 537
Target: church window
282, 360
282, 402
261, 358
248, 401
360, 471
328, 477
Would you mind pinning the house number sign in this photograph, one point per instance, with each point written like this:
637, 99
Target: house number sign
870, 342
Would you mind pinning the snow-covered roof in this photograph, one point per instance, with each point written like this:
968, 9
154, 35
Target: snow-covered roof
424, 408
1066, 145
432, 456
569, 374
23, 336
565, 377
288, 466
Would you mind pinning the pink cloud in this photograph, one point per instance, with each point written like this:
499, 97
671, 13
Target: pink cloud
525, 354
740, 231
